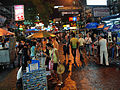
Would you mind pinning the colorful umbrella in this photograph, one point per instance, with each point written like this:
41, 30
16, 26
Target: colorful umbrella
5, 32
31, 30
41, 34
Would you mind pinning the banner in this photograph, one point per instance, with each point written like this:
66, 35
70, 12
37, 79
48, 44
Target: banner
98, 12
19, 12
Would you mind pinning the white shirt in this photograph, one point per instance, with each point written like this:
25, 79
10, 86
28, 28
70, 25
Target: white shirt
103, 44
88, 40
81, 41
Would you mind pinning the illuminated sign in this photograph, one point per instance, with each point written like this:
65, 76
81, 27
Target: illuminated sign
19, 12
72, 18
97, 2
69, 8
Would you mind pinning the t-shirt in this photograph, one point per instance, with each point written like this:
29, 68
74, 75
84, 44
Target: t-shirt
74, 42
81, 41
32, 51
53, 55
102, 43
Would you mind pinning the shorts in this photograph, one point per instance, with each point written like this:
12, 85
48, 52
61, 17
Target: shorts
55, 66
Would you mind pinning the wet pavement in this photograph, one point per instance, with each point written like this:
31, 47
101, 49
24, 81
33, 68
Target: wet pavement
92, 77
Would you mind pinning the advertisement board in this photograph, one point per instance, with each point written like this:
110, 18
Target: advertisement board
72, 18
97, 2
98, 12
19, 12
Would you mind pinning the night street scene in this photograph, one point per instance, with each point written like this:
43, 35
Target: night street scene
59, 44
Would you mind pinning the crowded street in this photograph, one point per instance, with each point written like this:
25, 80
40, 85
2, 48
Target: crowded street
92, 76
59, 45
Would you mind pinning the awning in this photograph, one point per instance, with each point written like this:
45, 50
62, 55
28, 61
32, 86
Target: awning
91, 25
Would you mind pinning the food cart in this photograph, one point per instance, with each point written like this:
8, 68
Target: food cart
7, 55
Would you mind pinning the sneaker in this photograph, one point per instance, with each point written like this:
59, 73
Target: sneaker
59, 84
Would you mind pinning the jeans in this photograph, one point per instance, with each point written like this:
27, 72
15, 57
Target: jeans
80, 49
19, 59
74, 52
112, 53
89, 49
81, 56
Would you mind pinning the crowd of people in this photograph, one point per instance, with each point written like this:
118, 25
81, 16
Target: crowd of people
96, 46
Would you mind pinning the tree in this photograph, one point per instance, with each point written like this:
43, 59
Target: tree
44, 8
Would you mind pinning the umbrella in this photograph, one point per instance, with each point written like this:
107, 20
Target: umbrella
5, 32
91, 25
41, 34
31, 30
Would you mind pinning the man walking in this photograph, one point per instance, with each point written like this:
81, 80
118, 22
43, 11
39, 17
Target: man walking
81, 42
74, 45
103, 50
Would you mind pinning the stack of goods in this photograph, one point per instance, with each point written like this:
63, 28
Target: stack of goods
35, 80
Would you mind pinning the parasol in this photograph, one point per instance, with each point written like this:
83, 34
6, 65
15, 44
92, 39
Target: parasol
31, 30
5, 32
41, 34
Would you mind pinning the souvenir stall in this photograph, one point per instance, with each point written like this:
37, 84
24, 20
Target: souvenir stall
35, 76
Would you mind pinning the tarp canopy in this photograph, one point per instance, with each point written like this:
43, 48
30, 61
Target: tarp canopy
111, 17
101, 26
115, 28
92, 25
5, 32
41, 34
32, 30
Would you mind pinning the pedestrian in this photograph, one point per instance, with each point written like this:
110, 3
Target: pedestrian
19, 52
88, 42
74, 45
25, 56
55, 43
32, 49
103, 49
53, 53
81, 42
66, 43
94, 45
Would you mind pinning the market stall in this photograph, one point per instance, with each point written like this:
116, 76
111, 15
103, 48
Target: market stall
7, 55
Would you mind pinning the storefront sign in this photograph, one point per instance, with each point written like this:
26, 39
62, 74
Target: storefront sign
63, 13
69, 8
98, 12
19, 12
72, 18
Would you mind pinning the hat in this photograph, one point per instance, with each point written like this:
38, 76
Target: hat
60, 69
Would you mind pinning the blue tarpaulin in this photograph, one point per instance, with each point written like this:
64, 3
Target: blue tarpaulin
32, 30
92, 25
111, 17
115, 28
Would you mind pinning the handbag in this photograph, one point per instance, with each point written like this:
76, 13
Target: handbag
51, 62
